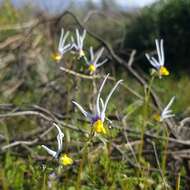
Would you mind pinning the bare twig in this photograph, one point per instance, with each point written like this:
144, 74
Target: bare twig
32, 142
184, 121
131, 58
21, 26
92, 77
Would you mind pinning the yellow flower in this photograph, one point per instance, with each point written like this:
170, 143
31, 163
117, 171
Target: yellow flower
65, 160
92, 68
98, 127
157, 117
56, 56
163, 71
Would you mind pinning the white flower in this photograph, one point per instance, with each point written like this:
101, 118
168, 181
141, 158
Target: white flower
78, 45
167, 113
60, 136
93, 63
62, 47
98, 117
158, 64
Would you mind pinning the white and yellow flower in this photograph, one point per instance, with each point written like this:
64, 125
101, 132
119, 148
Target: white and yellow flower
93, 63
62, 48
166, 113
158, 64
78, 44
64, 159
98, 117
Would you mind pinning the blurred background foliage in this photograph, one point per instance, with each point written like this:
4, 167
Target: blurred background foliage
168, 20
128, 29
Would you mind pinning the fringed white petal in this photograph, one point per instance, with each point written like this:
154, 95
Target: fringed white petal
51, 152
99, 93
59, 138
109, 96
160, 52
85, 113
101, 63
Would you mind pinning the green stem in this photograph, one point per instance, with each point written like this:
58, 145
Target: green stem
84, 156
178, 182
78, 184
145, 115
165, 152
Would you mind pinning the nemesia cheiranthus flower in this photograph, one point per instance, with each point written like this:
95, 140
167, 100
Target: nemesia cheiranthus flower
98, 117
62, 48
78, 45
166, 113
159, 63
93, 63
63, 158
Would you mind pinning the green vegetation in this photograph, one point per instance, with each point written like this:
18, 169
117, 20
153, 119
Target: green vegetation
137, 152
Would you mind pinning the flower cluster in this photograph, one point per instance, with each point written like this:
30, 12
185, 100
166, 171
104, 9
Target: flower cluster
76, 45
98, 116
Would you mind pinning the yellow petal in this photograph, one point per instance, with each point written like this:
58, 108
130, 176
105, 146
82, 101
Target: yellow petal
65, 160
92, 68
98, 127
157, 117
56, 56
163, 71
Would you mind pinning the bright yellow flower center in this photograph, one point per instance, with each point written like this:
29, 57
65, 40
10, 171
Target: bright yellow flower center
56, 56
92, 68
98, 127
81, 53
65, 160
163, 71
157, 117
